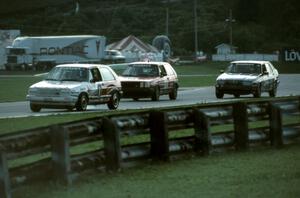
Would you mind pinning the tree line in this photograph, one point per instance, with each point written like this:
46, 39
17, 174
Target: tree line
259, 25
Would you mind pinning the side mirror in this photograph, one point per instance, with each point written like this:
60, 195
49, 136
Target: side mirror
221, 71
265, 73
163, 74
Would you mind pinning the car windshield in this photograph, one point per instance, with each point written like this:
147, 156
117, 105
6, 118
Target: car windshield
68, 74
245, 68
140, 70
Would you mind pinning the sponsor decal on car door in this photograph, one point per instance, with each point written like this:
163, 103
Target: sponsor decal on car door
108, 80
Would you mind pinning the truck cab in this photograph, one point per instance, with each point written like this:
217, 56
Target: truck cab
114, 56
18, 57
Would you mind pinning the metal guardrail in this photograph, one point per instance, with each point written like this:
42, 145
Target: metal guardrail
150, 135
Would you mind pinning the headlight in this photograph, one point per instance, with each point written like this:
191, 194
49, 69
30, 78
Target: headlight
220, 82
32, 90
145, 84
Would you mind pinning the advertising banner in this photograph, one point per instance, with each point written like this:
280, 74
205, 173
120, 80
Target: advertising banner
290, 55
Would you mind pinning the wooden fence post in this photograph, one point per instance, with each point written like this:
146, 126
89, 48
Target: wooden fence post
159, 135
202, 132
112, 147
5, 190
61, 154
276, 137
241, 132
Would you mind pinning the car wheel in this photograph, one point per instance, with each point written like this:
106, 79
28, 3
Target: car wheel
236, 95
219, 94
273, 92
114, 101
257, 93
173, 93
35, 108
156, 94
82, 102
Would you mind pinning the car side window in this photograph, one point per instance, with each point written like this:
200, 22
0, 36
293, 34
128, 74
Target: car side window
271, 69
107, 74
169, 70
162, 70
96, 77
264, 69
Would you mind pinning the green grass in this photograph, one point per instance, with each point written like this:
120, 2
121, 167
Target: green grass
258, 173
196, 81
201, 68
15, 88
8, 125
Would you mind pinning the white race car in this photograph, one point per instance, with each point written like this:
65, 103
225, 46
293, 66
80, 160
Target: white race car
248, 77
75, 86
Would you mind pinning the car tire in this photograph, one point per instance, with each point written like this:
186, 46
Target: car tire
35, 108
273, 92
219, 94
173, 93
114, 101
156, 94
82, 102
257, 93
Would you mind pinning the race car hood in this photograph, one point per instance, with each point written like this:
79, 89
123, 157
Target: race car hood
230, 76
138, 79
57, 84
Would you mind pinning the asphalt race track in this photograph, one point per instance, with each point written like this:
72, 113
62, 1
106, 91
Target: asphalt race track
289, 85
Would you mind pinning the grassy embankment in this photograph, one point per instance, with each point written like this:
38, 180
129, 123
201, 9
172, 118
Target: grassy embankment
259, 173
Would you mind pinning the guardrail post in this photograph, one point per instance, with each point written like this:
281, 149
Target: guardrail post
112, 147
159, 135
241, 132
202, 132
61, 154
5, 191
276, 137
299, 103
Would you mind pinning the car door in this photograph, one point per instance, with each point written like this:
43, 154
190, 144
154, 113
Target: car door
164, 78
172, 78
267, 77
95, 84
108, 83
273, 78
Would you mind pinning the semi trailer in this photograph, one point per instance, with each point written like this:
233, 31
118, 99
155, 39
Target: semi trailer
46, 51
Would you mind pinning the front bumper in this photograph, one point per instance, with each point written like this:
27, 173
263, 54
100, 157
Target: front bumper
53, 102
138, 92
237, 89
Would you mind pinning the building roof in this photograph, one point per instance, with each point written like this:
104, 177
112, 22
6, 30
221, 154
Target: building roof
131, 43
225, 45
